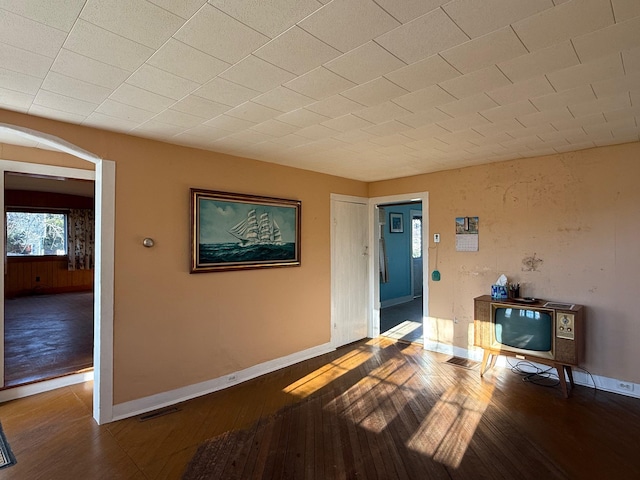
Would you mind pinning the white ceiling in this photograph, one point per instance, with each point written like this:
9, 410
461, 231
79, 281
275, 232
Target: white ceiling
362, 89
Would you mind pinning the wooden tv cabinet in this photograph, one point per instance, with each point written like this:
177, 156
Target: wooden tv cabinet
568, 336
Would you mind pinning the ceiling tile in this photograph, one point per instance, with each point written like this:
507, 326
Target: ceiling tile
463, 122
346, 123
12, 100
200, 107
424, 99
104, 46
21, 61
475, 82
468, 105
232, 124
534, 87
74, 88
424, 132
77, 66
542, 118
163, 83
364, 63
407, 10
625, 9
275, 128
182, 8
296, 51
319, 83
64, 104
387, 128
137, 20
270, 18
563, 22
423, 37
187, 62
225, 92
47, 112
579, 122
180, 119
283, 99
425, 117
374, 92
382, 113
613, 86
255, 73
19, 82
631, 60
253, 112
609, 40
423, 74
315, 132
302, 118
509, 111
158, 130
580, 94
539, 62
484, 51
126, 112
479, 18
30, 35
248, 137
290, 140
335, 106
347, 24
606, 104
600, 69
232, 40
47, 12
138, 97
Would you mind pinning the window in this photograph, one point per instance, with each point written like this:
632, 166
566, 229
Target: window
36, 234
416, 237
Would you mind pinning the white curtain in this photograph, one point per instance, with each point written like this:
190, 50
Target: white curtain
80, 239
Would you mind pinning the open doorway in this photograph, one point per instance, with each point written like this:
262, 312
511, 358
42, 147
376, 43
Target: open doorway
400, 233
49, 275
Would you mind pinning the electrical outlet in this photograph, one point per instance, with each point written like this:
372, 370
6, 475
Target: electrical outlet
436, 238
625, 386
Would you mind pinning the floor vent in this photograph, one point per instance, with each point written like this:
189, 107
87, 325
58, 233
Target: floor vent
158, 413
462, 362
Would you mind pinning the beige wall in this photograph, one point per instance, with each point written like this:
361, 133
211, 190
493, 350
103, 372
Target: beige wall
578, 213
173, 329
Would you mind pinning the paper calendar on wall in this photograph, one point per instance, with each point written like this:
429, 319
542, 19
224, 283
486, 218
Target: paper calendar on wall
466, 234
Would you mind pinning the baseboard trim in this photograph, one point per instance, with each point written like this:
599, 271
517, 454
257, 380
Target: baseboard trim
21, 391
172, 397
580, 376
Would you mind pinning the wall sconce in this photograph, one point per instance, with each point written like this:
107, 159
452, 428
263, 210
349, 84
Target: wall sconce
148, 242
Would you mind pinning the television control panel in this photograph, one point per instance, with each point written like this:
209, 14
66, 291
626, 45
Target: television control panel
565, 325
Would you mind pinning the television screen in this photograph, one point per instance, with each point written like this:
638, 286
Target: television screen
524, 328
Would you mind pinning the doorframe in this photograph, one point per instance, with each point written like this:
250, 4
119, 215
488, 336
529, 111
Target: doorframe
374, 257
104, 178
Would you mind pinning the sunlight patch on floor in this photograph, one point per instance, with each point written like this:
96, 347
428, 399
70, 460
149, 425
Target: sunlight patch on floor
448, 429
384, 382
402, 330
326, 374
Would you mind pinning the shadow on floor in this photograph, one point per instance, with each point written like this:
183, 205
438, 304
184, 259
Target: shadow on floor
403, 322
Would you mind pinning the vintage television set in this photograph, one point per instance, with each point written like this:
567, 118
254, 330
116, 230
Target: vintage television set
547, 332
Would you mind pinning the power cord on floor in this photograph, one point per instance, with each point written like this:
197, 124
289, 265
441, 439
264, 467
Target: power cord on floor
533, 374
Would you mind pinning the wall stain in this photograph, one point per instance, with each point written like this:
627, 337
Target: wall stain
531, 264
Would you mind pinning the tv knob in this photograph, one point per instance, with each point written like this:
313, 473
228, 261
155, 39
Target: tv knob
568, 329
561, 328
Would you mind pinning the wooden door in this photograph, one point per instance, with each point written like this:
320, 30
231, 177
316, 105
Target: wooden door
349, 271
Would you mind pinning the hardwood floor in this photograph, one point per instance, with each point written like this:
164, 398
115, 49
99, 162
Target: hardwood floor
404, 412
403, 321
47, 336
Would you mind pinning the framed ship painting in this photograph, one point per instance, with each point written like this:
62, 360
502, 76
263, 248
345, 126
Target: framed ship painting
232, 231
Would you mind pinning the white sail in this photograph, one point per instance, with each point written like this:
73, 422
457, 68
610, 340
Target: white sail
255, 230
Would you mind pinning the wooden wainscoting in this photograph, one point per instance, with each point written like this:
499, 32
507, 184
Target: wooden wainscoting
40, 275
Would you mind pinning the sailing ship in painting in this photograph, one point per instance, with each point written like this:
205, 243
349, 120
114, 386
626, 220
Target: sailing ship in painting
258, 238
257, 231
